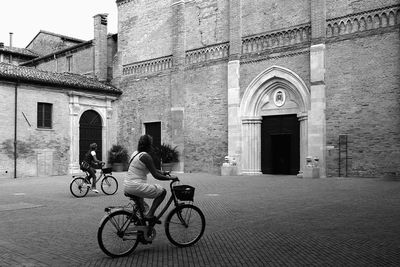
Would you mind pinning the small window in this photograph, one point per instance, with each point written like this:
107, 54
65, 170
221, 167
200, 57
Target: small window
44, 115
69, 63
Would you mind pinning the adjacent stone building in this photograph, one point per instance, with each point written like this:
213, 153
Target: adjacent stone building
49, 119
56, 102
265, 82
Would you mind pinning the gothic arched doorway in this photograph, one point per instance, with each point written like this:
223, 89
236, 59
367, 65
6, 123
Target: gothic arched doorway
90, 131
276, 97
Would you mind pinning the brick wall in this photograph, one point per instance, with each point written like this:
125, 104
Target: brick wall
362, 90
144, 26
42, 152
206, 23
260, 16
206, 118
145, 100
338, 8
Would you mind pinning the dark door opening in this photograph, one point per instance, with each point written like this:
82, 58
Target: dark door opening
280, 149
90, 131
280, 145
154, 130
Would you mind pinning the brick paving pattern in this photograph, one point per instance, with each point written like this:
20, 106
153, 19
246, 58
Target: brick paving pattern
251, 221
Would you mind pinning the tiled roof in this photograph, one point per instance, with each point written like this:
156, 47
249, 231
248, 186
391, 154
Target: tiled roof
32, 75
17, 50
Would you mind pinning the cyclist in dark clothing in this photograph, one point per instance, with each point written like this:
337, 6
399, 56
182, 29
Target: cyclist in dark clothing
89, 163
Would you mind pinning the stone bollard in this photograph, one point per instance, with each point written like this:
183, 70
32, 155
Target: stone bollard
311, 169
229, 167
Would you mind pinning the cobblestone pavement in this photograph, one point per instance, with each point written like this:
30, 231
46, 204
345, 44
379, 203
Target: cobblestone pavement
251, 221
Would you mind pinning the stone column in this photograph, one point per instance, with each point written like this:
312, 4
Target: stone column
235, 48
74, 108
109, 128
251, 152
317, 118
177, 90
303, 119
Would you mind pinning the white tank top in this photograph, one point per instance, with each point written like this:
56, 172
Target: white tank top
137, 170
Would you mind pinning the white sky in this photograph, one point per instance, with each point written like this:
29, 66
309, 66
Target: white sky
73, 18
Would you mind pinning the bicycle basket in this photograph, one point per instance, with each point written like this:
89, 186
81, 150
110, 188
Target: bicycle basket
184, 192
107, 170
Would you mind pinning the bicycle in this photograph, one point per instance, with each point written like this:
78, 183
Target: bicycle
123, 227
79, 186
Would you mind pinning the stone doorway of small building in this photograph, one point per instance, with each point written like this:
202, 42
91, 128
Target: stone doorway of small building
280, 145
154, 130
90, 131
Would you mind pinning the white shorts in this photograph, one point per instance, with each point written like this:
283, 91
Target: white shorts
144, 190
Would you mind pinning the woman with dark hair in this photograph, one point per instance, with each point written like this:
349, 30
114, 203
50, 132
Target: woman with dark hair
135, 183
89, 163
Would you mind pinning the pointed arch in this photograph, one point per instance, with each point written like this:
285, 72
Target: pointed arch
250, 103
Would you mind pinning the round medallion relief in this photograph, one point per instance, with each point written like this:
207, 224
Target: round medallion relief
279, 97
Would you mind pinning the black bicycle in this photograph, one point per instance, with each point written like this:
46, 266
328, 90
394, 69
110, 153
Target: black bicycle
80, 185
123, 227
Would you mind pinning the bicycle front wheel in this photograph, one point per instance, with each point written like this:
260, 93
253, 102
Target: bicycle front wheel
185, 225
116, 235
78, 187
109, 185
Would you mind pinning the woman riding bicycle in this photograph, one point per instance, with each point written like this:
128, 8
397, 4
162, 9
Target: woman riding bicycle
135, 183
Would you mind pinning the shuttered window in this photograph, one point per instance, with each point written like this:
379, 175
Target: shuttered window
44, 119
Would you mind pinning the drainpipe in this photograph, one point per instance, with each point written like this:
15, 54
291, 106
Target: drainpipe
15, 129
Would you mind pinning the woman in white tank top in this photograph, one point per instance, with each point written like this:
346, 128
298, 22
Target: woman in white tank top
141, 164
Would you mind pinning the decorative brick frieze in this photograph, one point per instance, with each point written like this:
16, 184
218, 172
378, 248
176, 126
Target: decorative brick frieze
148, 66
212, 52
265, 41
363, 21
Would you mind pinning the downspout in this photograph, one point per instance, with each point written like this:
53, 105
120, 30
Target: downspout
15, 129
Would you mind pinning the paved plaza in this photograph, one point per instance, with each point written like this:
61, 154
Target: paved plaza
251, 221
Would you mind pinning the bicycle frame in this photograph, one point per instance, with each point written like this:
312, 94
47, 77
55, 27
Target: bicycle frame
97, 178
171, 198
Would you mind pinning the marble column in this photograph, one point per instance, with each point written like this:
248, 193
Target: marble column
303, 119
317, 118
74, 108
251, 150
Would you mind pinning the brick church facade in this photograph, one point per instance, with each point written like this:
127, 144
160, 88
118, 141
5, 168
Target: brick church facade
268, 83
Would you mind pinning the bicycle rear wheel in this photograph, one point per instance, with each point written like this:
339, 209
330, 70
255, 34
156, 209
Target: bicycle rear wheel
109, 185
185, 225
78, 187
115, 235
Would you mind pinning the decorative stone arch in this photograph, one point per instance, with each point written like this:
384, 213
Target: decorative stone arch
257, 101
78, 104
